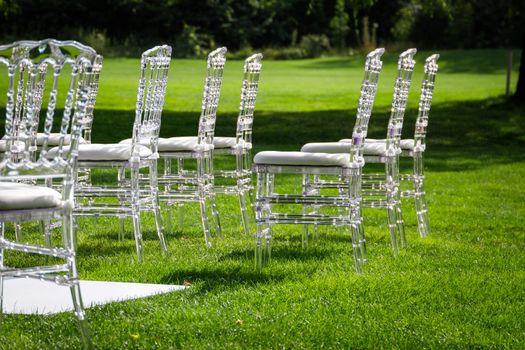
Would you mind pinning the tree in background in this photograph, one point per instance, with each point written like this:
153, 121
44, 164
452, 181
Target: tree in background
126, 27
339, 25
519, 96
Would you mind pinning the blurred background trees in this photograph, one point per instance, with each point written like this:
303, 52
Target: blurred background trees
293, 28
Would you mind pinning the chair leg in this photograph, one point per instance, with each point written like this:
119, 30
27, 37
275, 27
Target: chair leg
45, 226
205, 221
122, 230
181, 214
241, 165
74, 286
121, 176
18, 232
310, 209
419, 191
400, 224
169, 219
244, 212
356, 249
261, 225
390, 188
180, 170
2, 227
208, 163
154, 188
307, 209
356, 188
361, 234
215, 214
135, 210
270, 184
203, 200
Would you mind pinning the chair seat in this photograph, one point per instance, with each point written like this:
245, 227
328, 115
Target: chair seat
52, 140
19, 146
405, 144
16, 196
187, 143
224, 142
182, 143
344, 147
326, 147
102, 151
301, 158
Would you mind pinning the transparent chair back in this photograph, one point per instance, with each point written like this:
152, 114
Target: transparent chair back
425, 102
405, 68
155, 65
210, 99
30, 72
250, 87
65, 52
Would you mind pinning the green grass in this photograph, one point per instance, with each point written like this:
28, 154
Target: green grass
461, 287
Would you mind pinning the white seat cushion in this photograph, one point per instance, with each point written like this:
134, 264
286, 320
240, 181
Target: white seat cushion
374, 148
187, 143
51, 141
182, 143
19, 146
102, 151
54, 138
15, 196
406, 144
224, 142
327, 147
301, 158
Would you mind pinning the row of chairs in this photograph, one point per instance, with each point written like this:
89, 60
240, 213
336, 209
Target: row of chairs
332, 172
47, 157
34, 155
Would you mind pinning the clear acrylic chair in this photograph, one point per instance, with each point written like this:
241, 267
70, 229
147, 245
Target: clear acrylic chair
415, 148
139, 152
388, 154
346, 167
186, 185
67, 50
23, 167
240, 146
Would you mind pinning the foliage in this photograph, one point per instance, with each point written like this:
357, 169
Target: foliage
471, 23
339, 24
190, 43
314, 45
195, 25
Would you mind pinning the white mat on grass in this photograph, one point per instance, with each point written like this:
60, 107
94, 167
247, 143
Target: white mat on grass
30, 296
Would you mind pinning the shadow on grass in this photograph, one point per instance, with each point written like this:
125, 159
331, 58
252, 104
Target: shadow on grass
236, 267
221, 277
461, 136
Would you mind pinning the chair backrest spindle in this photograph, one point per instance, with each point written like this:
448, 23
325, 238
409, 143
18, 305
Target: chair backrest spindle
250, 86
28, 73
373, 65
155, 65
425, 102
210, 99
405, 67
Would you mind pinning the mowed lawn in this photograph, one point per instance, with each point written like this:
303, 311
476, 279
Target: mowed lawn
461, 287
